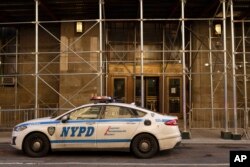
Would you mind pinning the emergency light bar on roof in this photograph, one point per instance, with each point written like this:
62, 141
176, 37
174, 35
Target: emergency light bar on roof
102, 99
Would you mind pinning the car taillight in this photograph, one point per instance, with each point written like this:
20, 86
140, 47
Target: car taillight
171, 122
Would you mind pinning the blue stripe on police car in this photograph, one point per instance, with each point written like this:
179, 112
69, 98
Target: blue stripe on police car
80, 121
91, 141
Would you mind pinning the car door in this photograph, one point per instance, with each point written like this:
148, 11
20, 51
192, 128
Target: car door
79, 130
116, 127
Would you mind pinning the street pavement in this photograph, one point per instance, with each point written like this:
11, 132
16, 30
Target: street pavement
197, 136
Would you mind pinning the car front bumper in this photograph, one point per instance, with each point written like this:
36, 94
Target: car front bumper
16, 141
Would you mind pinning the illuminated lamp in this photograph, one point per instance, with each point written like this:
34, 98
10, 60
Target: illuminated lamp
79, 27
217, 29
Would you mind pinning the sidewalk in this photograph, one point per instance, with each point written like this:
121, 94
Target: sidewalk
5, 137
213, 136
198, 136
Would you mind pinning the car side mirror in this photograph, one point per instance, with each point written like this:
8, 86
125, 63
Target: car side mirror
65, 118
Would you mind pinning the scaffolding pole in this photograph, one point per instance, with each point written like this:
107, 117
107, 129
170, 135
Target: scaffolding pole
225, 64
211, 74
142, 53
233, 68
100, 47
16, 71
225, 134
134, 65
184, 71
163, 70
106, 61
36, 59
245, 77
190, 78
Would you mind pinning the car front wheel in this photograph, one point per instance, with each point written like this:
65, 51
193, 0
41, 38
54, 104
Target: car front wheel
36, 145
144, 146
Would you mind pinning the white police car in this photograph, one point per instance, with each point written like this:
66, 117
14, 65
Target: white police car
99, 126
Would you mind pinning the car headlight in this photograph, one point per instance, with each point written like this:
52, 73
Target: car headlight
20, 128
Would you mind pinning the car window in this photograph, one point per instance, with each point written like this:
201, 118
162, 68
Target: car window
91, 112
139, 113
112, 112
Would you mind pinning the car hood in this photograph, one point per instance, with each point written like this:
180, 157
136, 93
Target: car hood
37, 121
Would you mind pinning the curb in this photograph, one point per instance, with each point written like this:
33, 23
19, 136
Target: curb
215, 141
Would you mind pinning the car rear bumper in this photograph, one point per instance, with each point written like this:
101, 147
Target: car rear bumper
169, 143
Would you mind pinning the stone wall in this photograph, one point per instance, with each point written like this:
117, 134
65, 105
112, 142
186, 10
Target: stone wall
79, 65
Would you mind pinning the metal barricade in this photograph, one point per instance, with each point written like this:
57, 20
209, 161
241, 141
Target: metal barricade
10, 116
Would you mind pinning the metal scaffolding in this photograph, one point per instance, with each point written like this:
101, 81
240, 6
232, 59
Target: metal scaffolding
227, 67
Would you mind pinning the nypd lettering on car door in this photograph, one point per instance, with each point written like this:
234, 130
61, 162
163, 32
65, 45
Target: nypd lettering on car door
77, 131
75, 134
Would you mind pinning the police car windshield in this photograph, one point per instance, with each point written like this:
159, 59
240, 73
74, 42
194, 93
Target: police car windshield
58, 112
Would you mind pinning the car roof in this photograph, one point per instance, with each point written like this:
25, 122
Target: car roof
132, 105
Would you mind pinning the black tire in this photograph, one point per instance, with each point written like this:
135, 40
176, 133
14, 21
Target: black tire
36, 145
144, 146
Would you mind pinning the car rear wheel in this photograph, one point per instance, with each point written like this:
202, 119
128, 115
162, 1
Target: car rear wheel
36, 145
144, 146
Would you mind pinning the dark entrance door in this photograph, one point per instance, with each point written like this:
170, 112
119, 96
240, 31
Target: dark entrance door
174, 94
151, 92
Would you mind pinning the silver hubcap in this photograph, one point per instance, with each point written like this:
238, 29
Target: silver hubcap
144, 146
36, 146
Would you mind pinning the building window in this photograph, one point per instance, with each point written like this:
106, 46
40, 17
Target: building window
7, 55
8, 50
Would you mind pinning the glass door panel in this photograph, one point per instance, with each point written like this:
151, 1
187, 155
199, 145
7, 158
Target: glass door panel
174, 95
119, 87
151, 92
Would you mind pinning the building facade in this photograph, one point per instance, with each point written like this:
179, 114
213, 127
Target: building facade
183, 58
